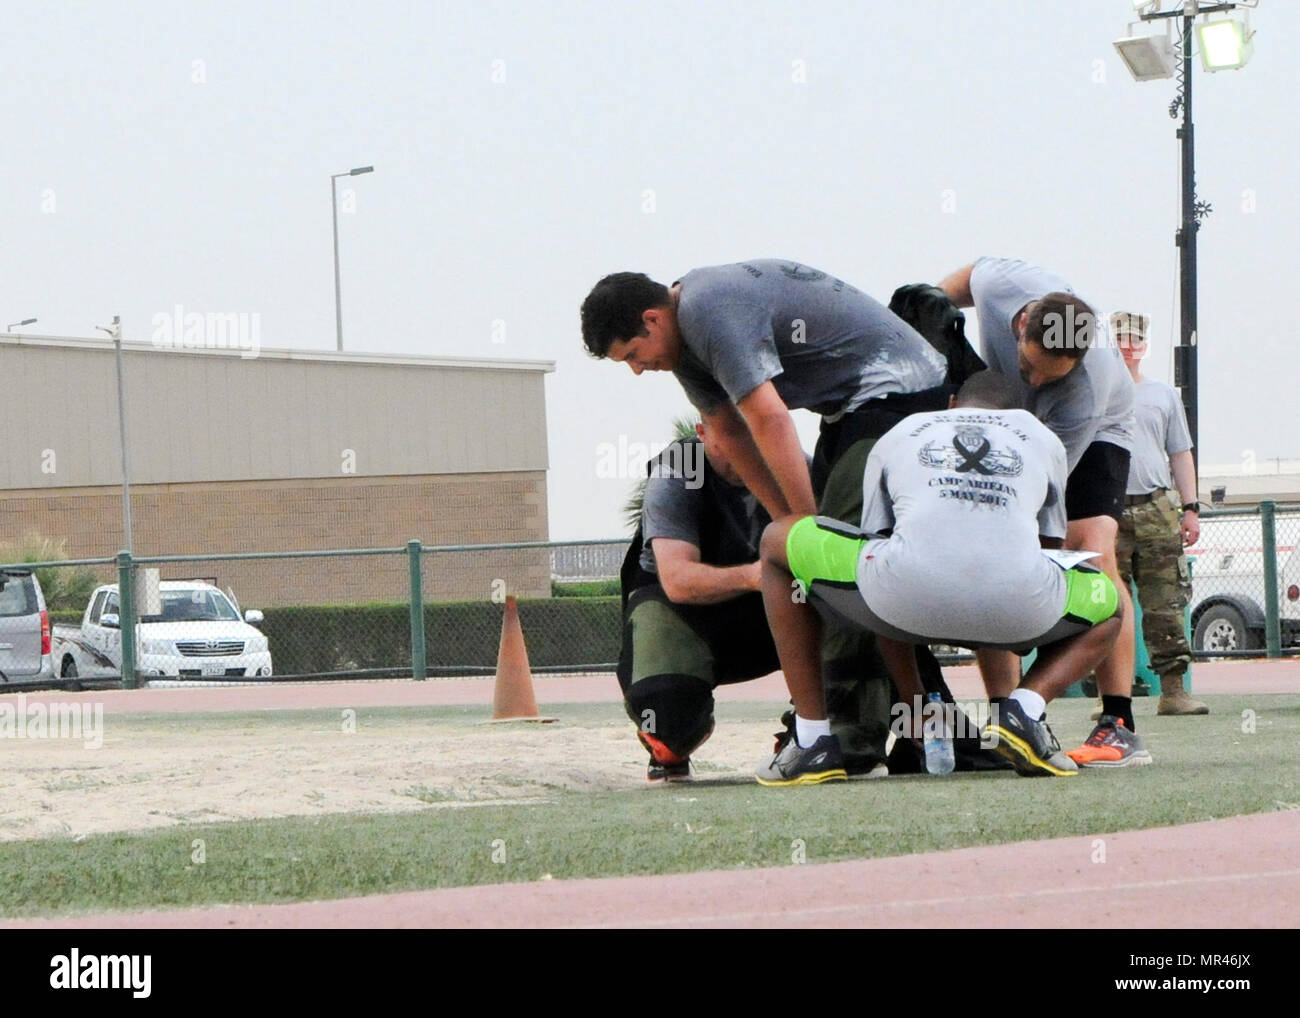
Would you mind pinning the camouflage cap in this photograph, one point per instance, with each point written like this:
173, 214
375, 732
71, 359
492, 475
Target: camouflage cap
1128, 323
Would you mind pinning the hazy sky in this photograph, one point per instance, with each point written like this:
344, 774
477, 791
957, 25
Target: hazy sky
163, 154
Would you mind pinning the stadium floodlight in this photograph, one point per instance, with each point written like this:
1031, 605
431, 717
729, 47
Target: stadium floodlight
1225, 44
1148, 57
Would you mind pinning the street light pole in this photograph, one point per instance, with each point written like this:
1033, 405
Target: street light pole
1185, 355
116, 332
338, 299
334, 205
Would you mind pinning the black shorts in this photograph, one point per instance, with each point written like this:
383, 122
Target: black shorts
1097, 483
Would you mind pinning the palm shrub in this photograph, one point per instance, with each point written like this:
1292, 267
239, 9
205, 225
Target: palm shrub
66, 588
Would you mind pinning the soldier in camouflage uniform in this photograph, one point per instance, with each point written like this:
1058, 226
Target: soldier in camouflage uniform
1152, 533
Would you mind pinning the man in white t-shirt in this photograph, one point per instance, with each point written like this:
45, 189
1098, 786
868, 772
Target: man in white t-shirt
964, 498
1035, 330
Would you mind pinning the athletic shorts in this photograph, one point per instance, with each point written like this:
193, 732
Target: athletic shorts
824, 554
1097, 484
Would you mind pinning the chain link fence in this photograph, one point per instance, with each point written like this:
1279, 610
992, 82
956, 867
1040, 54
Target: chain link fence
1246, 582
359, 613
437, 611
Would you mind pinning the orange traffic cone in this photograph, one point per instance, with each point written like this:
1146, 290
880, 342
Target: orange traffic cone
512, 697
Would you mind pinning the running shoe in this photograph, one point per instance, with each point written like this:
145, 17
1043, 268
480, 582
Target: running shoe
1111, 744
665, 765
1029, 745
794, 765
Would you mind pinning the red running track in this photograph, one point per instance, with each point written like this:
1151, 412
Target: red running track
1242, 872
1277, 676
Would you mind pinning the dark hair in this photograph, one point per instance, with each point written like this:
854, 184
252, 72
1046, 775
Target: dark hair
1061, 324
989, 390
613, 309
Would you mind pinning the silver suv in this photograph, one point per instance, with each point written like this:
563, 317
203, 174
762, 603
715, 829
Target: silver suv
24, 628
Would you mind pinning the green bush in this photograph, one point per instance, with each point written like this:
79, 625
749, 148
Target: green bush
565, 632
315, 639
591, 588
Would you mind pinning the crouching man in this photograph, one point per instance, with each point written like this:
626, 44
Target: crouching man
966, 498
692, 613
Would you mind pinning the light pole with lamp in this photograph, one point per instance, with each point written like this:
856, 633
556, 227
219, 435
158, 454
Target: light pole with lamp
16, 325
1225, 45
334, 200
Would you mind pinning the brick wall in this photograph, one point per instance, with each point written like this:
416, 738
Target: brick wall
312, 514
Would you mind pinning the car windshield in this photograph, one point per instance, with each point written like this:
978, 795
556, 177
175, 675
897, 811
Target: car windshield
195, 605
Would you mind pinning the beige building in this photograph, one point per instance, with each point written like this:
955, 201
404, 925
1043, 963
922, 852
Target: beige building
1249, 482
282, 451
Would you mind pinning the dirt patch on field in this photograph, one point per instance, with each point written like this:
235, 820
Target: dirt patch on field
155, 772
167, 759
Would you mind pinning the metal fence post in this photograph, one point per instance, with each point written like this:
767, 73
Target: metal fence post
418, 669
1268, 543
126, 617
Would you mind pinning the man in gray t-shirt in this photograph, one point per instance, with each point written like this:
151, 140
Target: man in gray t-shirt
749, 342
825, 345
752, 341
676, 502
1093, 401
1037, 331
692, 615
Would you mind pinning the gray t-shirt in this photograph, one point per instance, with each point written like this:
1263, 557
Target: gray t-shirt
1161, 432
967, 494
825, 345
1094, 402
674, 506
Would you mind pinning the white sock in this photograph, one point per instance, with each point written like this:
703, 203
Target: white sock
1030, 702
807, 732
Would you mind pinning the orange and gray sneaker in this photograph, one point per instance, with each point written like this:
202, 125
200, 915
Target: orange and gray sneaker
1111, 744
665, 765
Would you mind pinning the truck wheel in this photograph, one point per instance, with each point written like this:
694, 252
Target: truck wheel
69, 669
1223, 628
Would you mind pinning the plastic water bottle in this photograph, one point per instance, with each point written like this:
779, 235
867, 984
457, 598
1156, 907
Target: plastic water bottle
939, 758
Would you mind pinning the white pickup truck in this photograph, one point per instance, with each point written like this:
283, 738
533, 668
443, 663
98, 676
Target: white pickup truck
199, 634
1228, 583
